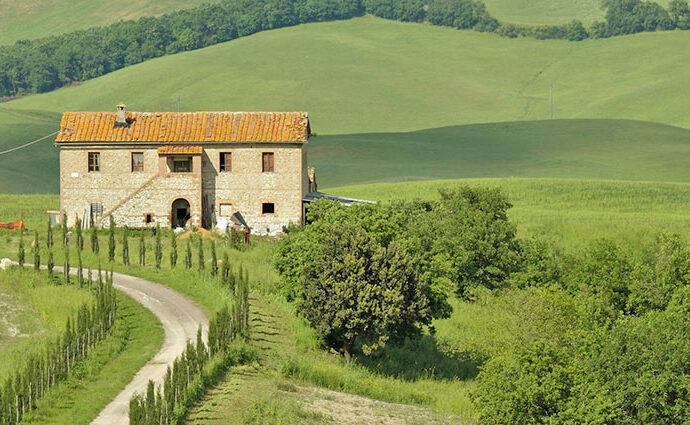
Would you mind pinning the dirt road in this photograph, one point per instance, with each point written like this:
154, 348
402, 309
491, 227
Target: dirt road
180, 317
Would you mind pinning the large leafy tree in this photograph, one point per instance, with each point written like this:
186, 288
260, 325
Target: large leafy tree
355, 290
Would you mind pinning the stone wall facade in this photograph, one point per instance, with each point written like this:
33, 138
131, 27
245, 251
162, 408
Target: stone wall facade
213, 195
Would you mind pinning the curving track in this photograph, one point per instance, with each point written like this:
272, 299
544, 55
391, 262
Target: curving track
180, 317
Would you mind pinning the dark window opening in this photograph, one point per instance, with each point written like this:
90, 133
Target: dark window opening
268, 208
137, 162
267, 162
94, 162
96, 209
182, 165
149, 218
225, 162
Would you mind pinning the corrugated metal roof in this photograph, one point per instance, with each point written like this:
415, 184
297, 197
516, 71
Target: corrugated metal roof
194, 127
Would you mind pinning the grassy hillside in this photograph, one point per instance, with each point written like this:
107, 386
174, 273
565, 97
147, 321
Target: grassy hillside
548, 11
569, 212
29, 19
601, 149
372, 75
34, 311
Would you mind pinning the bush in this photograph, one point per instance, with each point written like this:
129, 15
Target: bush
400, 10
576, 31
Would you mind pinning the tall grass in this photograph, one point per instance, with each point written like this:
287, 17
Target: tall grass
35, 308
568, 212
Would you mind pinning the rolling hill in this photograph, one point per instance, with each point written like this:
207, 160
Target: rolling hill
369, 75
571, 213
29, 19
548, 11
582, 149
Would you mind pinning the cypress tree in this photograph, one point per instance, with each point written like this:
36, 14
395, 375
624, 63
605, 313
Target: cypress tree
80, 236
214, 259
90, 277
150, 403
80, 270
173, 250
201, 254
21, 255
142, 250
64, 230
188, 255
49, 238
125, 247
37, 253
159, 247
94, 239
51, 263
66, 266
111, 240
225, 268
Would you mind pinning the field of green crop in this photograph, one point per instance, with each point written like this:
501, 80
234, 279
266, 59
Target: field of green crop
584, 149
22, 20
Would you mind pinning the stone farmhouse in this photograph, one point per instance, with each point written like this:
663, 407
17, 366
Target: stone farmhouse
185, 169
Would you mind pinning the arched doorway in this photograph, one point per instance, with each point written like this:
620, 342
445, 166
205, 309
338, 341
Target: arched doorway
180, 213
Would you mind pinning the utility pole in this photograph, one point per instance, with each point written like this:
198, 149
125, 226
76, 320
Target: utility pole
178, 104
551, 97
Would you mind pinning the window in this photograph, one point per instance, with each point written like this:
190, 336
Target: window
183, 165
267, 163
137, 162
96, 209
225, 210
225, 161
268, 208
148, 218
94, 162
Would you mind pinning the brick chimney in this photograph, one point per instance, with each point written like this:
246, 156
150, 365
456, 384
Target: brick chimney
121, 115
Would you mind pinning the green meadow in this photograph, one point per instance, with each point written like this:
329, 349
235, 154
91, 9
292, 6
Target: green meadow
34, 312
24, 20
548, 11
569, 212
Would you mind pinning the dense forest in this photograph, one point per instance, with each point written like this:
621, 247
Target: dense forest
601, 335
35, 66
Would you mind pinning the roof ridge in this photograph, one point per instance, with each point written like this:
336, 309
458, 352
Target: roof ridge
186, 126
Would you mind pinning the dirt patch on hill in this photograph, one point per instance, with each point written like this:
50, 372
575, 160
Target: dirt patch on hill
349, 409
9, 326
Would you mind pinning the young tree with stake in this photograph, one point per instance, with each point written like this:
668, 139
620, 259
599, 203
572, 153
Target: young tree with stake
142, 250
49, 237
201, 254
173, 250
21, 254
94, 239
214, 259
188, 255
37, 253
125, 247
159, 247
111, 240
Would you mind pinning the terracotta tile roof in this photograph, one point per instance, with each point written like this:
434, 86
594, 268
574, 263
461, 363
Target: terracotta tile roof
195, 127
180, 150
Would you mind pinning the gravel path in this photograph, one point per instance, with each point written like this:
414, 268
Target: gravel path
180, 317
